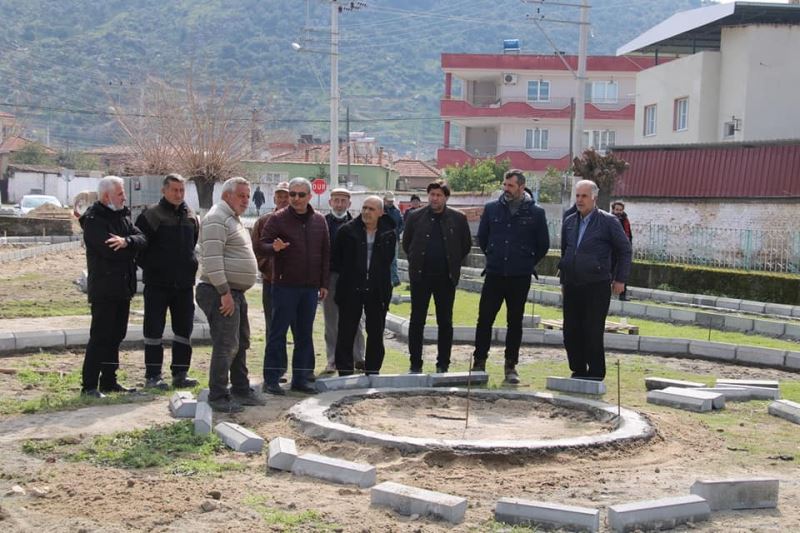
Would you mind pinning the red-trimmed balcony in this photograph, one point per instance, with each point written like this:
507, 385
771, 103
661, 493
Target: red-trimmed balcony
518, 157
621, 109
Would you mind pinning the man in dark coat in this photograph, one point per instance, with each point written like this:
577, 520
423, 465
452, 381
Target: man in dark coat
112, 242
258, 199
169, 265
363, 254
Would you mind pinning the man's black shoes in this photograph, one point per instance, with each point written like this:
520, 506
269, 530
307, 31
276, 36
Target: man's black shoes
305, 388
273, 389
116, 387
92, 393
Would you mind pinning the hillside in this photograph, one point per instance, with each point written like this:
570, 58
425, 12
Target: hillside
62, 64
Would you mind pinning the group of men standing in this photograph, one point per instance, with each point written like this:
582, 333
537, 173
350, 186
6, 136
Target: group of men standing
347, 263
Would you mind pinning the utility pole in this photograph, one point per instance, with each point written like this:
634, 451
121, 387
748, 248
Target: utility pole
348, 143
580, 93
334, 165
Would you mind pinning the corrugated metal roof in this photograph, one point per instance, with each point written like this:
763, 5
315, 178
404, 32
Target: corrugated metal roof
515, 62
727, 170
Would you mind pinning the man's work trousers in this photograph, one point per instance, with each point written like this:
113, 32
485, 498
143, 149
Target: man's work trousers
513, 290
330, 311
585, 310
296, 307
444, 294
180, 303
349, 323
230, 339
109, 326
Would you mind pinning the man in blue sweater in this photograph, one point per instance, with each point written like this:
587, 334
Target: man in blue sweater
595, 261
513, 236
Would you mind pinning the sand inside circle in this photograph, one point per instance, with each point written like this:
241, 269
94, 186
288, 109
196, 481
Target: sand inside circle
444, 417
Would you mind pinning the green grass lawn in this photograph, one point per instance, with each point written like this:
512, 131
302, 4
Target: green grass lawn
465, 313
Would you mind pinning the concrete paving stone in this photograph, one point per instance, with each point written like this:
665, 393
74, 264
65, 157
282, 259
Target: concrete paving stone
679, 401
615, 307
532, 336
409, 501
335, 470
709, 320
553, 337
463, 334
732, 394
707, 301
750, 306
431, 333
663, 345
786, 409
657, 383
356, 381
769, 383
761, 356
657, 312
239, 438
778, 309
738, 323
39, 339
517, 511
135, 334
76, 337
634, 309
551, 298
713, 350
459, 379
682, 315
682, 298
581, 386
717, 398
182, 405
8, 343
792, 330
529, 321
202, 396
203, 419
729, 303
618, 341
769, 328
665, 513
661, 296
738, 493
282, 454
399, 381
792, 360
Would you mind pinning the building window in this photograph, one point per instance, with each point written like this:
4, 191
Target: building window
599, 139
273, 177
680, 119
538, 91
602, 92
536, 139
649, 120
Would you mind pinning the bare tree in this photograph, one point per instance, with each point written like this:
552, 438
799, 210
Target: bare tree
203, 134
601, 169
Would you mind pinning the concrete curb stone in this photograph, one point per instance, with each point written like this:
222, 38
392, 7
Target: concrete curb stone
741, 493
786, 409
239, 438
282, 454
334, 470
665, 513
517, 511
408, 501
761, 356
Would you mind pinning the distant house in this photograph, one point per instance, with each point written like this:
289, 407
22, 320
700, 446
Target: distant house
115, 158
8, 146
414, 174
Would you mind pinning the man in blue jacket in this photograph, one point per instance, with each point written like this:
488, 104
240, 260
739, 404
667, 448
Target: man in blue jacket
513, 236
595, 261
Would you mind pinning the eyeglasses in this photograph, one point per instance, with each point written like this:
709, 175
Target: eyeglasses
298, 194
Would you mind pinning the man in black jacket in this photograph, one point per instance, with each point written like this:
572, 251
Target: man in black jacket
595, 261
112, 242
363, 254
436, 241
169, 264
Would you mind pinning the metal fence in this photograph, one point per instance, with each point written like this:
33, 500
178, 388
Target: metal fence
746, 249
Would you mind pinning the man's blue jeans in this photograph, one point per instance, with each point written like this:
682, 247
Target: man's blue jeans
297, 306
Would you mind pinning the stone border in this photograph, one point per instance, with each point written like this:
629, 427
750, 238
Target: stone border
311, 416
36, 251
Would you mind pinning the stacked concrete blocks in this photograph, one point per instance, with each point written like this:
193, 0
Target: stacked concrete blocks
282, 454
459, 379
732, 494
182, 405
665, 513
786, 409
411, 500
202, 396
581, 386
335, 470
238, 438
203, 419
657, 383
517, 511
767, 383
717, 398
356, 381
678, 400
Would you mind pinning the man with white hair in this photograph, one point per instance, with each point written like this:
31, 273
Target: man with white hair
112, 242
595, 261
228, 269
297, 238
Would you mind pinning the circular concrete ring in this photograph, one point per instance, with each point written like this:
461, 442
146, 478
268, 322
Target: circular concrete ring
312, 417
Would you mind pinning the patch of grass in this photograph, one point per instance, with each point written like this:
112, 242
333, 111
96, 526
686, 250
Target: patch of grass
21, 308
38, 448
492, 526
288, 520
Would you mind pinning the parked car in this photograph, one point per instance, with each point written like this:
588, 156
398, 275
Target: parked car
30, 202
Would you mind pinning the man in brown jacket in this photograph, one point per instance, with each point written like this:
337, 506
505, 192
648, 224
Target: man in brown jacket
297, 239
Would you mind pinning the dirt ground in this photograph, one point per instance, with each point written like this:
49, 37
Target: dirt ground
67, 496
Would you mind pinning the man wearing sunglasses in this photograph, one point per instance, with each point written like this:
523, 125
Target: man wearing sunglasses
297, 239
